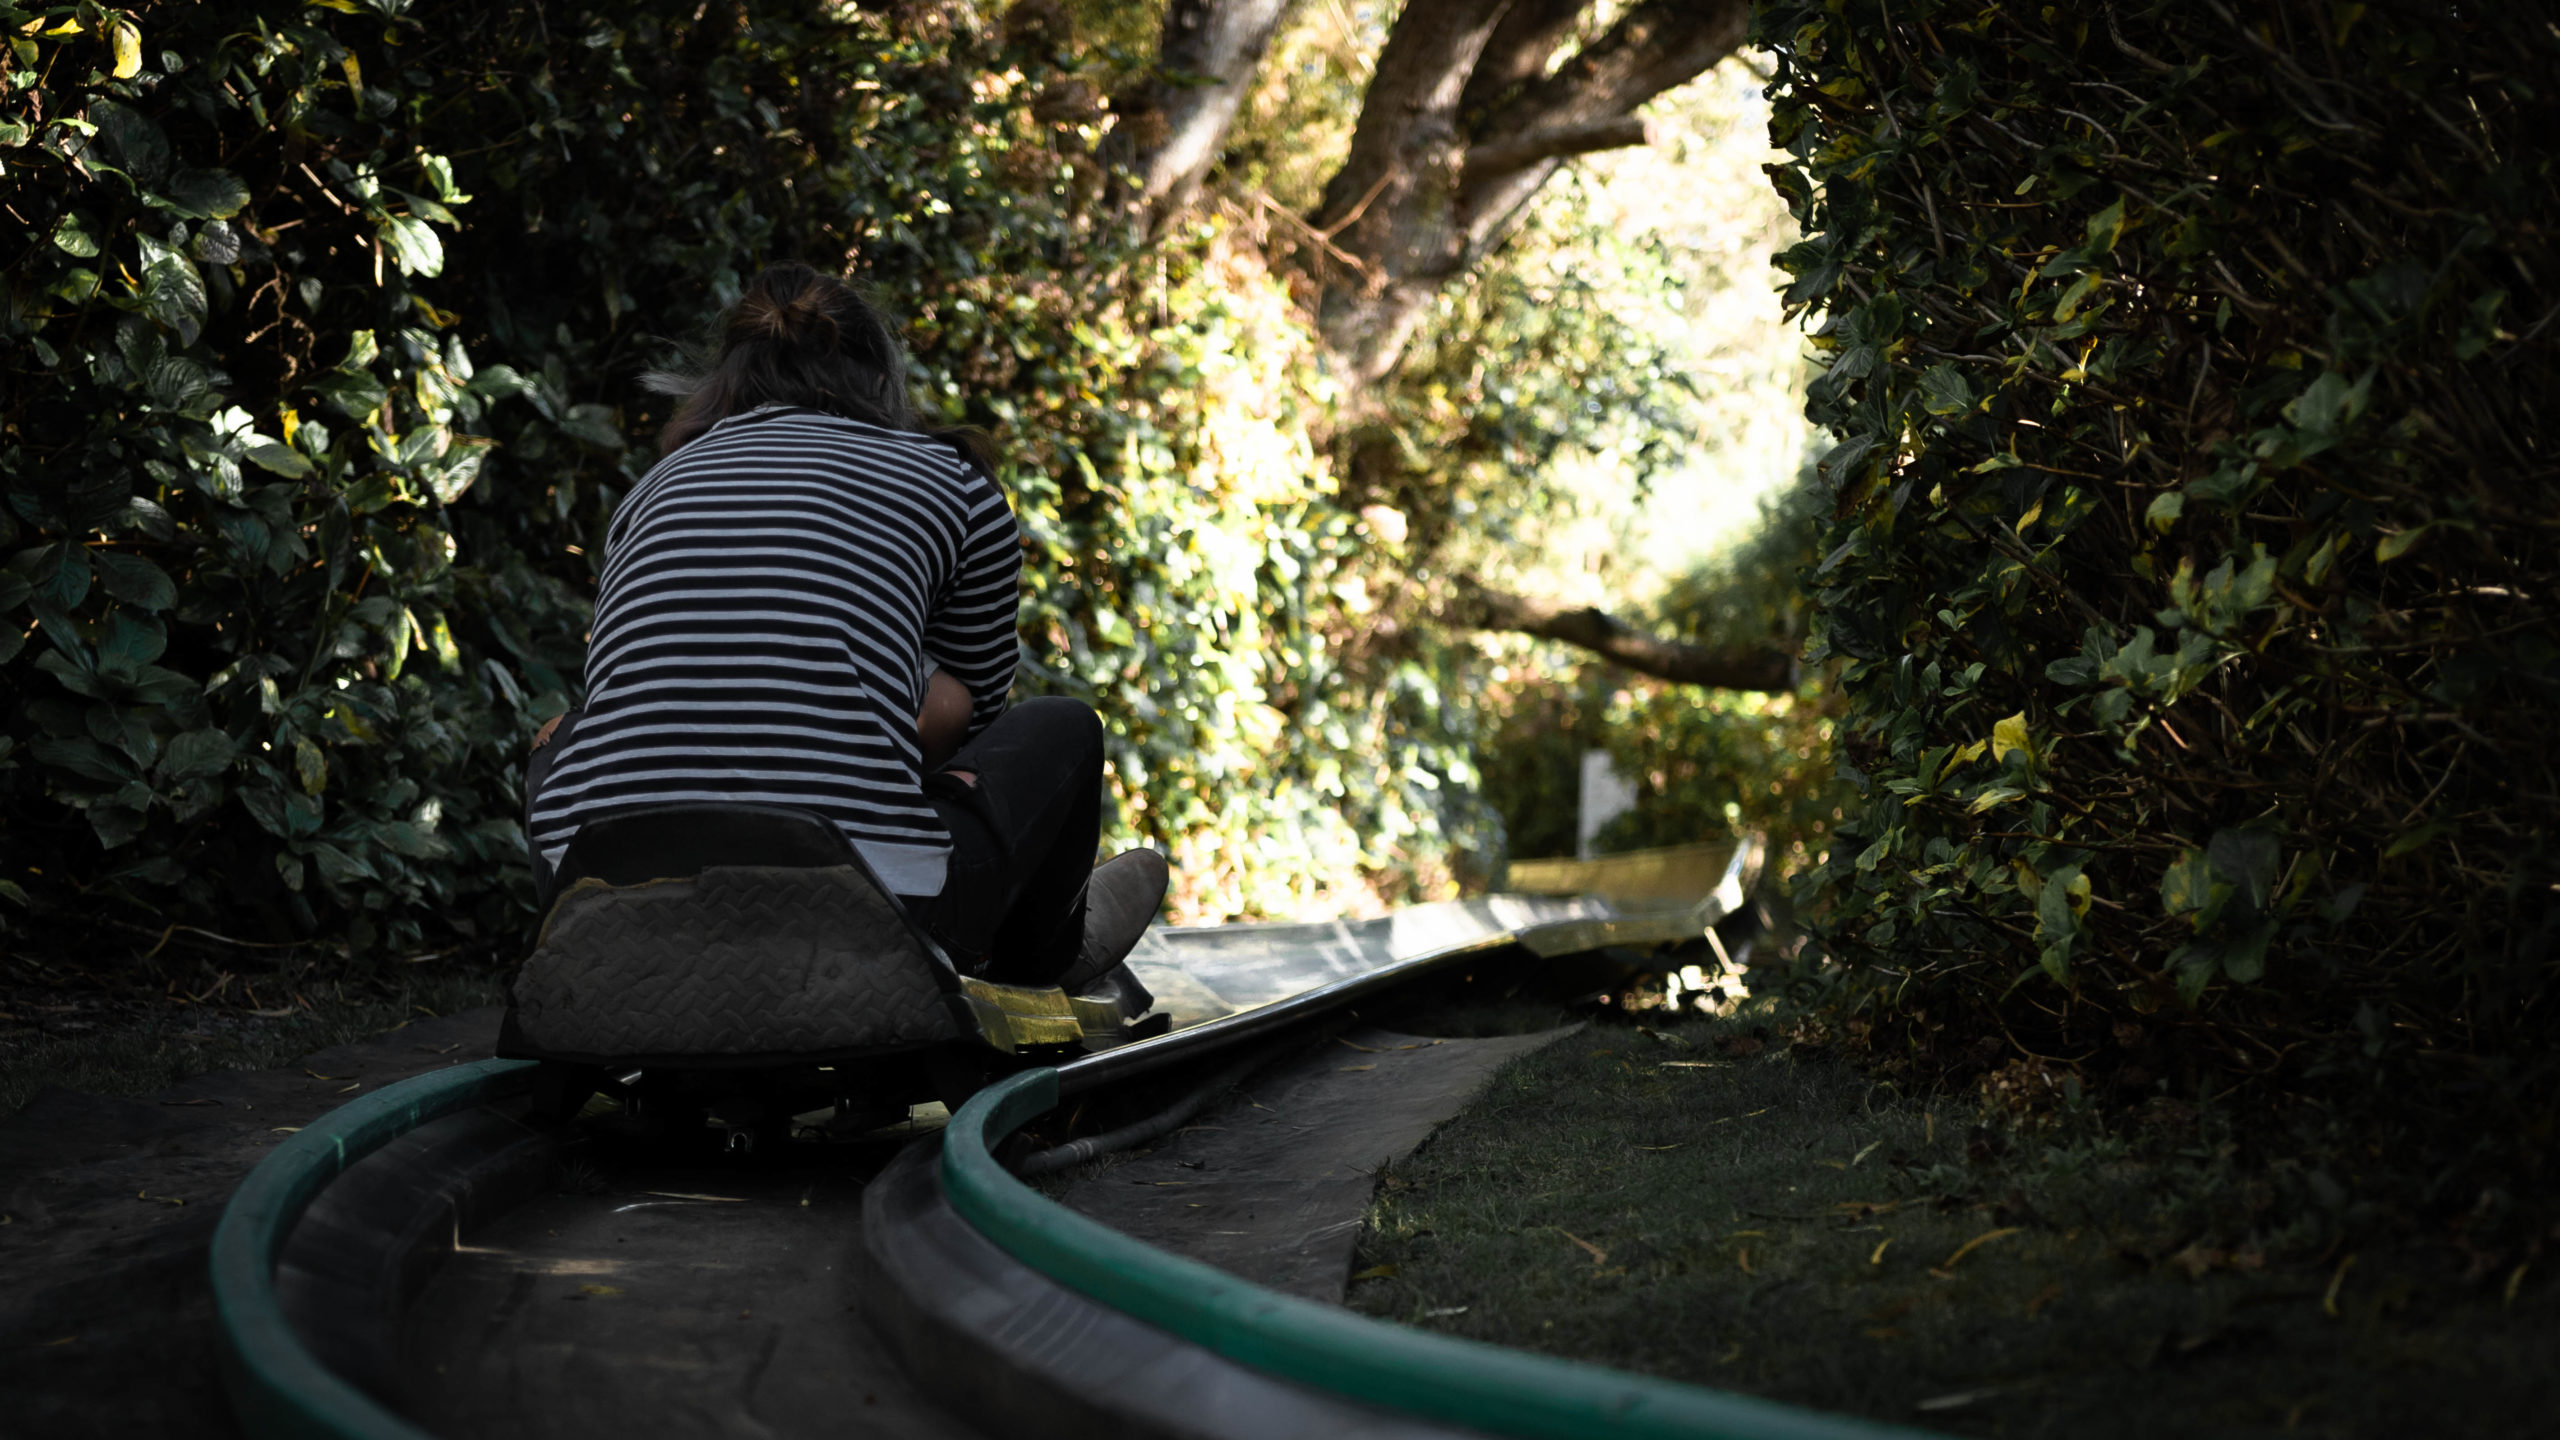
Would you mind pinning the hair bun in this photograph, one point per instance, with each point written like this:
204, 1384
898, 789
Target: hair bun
797, 316
794, 337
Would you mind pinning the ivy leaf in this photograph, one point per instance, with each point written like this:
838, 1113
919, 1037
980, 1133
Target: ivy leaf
402, 838
497, 382
592, 424
2246, 859
2070, 303
1844, 458
136, 581
177, 383
352, 393
2329, 404
120, 822
2011, 734
57, 574
2245, 959
172, 291
278, 459
310, 767
337, 866
2194, 964
1995, 796
413, 244
2187, 886
76, 234
84, 757
195, 754
132, 141
205, 194
1943, 391
75, 673
131, 643
286, 814
2071, 670
2057, 914
2399, 542
124, 41
2105, 227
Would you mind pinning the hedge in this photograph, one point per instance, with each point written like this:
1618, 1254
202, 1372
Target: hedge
2191, 558
321, 339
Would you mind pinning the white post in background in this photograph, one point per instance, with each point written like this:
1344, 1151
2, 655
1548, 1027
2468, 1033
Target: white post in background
1606, 795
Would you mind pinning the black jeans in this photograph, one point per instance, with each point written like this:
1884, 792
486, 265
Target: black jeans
1022, 842
1022, 839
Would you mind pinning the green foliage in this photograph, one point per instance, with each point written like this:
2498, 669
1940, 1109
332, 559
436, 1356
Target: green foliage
322, 347
263, 677
1533, 365
1704, 763
2189, 568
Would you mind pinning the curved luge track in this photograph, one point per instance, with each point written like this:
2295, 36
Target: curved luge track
484, 1275
641, 1302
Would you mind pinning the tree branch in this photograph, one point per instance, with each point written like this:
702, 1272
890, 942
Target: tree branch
1656, 45
1523, 42
1411, 105
1461, 126
1518, 152
1205, 63
1612, 639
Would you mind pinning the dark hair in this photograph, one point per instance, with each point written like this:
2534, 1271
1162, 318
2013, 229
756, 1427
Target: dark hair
799, 337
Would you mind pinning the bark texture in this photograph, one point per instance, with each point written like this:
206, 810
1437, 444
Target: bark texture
1462, 124
1614, 640
1466, 116
1180, 116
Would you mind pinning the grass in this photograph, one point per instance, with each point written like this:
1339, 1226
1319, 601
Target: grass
115, 1044
1691, 1201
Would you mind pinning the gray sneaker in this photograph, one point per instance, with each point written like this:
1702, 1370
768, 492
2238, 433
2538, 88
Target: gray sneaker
1120, 901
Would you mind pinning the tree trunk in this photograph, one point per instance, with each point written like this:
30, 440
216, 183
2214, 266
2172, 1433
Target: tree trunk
1461, 126
1180, 116
1463, 121
1614, 640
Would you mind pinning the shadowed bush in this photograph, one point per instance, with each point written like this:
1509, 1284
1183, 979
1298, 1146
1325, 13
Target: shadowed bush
323, 337
2191, 559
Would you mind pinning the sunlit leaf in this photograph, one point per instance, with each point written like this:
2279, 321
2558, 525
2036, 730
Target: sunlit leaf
125, 41
413, 245
279, 459
2011, 734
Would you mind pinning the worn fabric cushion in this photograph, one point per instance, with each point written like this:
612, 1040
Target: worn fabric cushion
738, 960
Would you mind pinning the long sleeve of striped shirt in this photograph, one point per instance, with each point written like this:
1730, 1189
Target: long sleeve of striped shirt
774, 595
972, 631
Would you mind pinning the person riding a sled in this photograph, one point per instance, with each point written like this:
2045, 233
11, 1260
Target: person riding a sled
811, 603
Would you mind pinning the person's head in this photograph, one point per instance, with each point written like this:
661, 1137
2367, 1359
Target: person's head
796, 337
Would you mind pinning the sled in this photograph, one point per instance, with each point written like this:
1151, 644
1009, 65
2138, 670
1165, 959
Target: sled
739, 965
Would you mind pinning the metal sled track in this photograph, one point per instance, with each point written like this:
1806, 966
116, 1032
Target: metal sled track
278, 1387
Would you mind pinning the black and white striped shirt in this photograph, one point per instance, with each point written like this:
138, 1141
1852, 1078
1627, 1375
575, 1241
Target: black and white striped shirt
774, 595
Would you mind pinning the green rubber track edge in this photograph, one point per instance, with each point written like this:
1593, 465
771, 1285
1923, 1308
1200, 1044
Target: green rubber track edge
278, 1391
1438, 1377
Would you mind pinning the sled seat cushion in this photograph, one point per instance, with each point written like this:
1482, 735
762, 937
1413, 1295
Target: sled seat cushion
732, 960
